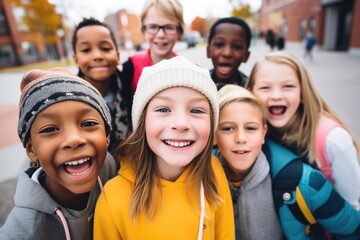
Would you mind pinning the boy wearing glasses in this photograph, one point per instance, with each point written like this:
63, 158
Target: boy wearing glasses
163, 24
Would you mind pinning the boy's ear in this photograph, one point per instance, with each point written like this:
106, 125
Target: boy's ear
74, 58
108, 140
208, 52
118, 55
30, 151
264, 132
246, 57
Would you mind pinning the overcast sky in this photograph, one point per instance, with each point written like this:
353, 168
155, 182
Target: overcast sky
76, 10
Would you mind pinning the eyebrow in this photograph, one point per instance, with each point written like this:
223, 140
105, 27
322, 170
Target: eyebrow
233, 122
101, 42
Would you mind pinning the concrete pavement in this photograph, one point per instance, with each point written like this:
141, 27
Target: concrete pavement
335, 74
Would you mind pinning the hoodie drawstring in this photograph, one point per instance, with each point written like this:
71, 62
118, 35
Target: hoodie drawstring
202, 214
65, 225
63, 219
100, 184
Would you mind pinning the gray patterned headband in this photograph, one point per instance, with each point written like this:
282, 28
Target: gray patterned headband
42, 88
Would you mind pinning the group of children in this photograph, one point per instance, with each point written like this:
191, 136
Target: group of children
159, 122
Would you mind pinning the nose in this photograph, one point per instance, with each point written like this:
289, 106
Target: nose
161, 32
73, 138
227, 51
97, 54
240, 136
180, 123
276, 93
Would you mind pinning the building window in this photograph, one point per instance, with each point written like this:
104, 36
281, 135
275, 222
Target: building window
312, 24
30, 51
7, 55
3, 24
19, 15
302, 28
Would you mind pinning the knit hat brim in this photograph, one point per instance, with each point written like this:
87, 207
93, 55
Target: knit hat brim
176, 72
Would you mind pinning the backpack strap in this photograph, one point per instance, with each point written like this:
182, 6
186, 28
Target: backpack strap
323, 162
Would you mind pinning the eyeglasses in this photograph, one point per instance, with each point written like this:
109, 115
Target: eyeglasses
169, 29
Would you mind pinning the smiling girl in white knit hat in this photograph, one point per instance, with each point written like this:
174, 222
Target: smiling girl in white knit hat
64, 124
169, 186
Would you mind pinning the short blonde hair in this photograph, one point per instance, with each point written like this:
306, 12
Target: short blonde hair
171, 9
233, 93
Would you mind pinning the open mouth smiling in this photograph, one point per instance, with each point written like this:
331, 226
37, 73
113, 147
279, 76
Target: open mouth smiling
224, 68
78, 167
161, 44
178, 144
277, 110
225, 65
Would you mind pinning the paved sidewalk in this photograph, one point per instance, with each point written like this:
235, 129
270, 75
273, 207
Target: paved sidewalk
335, 74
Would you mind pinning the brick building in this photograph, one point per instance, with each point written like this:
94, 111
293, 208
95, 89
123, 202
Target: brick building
126, 27
335, 23
19, 46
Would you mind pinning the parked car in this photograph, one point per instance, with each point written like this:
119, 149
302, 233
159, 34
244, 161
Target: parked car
192, 38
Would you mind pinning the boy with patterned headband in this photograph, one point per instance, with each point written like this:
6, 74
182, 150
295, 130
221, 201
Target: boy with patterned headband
64, 124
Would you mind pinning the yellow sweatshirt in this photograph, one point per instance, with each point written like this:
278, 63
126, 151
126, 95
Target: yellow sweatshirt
178, 219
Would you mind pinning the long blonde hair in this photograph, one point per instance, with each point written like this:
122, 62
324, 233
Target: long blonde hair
136, 152
301, 130
172, 9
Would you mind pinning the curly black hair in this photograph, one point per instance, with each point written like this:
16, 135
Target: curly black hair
232, 20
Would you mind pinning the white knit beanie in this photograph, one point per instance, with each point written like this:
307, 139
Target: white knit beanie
175, 72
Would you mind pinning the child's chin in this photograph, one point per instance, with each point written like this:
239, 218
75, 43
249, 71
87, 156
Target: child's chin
84, 188
277, 123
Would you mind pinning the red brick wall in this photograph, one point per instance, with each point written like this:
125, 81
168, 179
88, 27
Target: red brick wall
355, 36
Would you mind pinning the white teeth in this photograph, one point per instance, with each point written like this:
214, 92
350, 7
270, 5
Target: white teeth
81, 161
178, 144
80, 173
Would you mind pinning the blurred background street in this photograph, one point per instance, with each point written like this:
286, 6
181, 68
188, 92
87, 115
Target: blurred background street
335, 74
27, 41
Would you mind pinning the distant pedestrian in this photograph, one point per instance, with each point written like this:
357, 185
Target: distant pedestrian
310, 42
64, 125
270, 39
228, 47
280, 41
97, 56
296, 112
